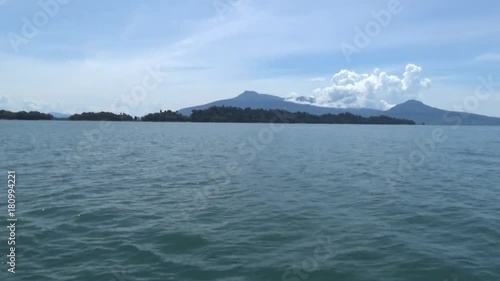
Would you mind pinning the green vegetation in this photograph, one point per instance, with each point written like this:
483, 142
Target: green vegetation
101, 116
221, 114
225, 114
239, 115
247, 115
165, 116
23, 115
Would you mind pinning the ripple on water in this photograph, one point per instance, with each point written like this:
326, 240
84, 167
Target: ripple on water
129, 209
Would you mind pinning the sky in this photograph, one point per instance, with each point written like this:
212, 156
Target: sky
142, 56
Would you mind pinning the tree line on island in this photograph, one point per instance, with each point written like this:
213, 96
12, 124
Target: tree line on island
247, 115
219, 114
23, 115
101, 116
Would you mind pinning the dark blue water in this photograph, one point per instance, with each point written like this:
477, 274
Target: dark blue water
141, 201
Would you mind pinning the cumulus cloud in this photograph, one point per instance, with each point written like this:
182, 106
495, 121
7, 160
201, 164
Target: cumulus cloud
34, 105
378, 89
27, 105
4, 102
317, 79
31, 105
490, 57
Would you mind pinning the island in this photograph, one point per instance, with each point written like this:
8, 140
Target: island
228, 114
101, 116
219, 114
23, 115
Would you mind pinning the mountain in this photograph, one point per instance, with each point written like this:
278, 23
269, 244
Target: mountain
411, 110
58, 115
255, 100
421, 113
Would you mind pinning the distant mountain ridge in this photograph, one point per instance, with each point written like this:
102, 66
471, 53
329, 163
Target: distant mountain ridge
255, 100
422, 113
411, 110
58, 115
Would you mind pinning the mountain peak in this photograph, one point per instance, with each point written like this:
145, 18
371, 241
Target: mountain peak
412, 109
412, 106
249, 94
413, 102
254, 96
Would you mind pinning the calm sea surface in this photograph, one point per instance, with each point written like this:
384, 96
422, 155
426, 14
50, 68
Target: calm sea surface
143, 201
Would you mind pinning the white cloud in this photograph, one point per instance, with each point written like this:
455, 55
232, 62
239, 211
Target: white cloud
378, 89
4, 102
30, 105
17, 104
317, 79
235, 44
489, 57
36, 105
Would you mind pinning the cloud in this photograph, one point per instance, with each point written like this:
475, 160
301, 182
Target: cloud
378, 89
38, 105
31, 105
239, 46
489, 57
317, 79
4, 102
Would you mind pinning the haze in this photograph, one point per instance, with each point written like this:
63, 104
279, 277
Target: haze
72, 56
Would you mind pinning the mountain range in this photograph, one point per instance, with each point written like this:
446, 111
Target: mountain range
58, 115
412, 110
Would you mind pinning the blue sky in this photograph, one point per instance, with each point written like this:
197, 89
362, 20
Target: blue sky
86, 55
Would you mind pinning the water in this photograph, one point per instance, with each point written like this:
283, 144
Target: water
142, 201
